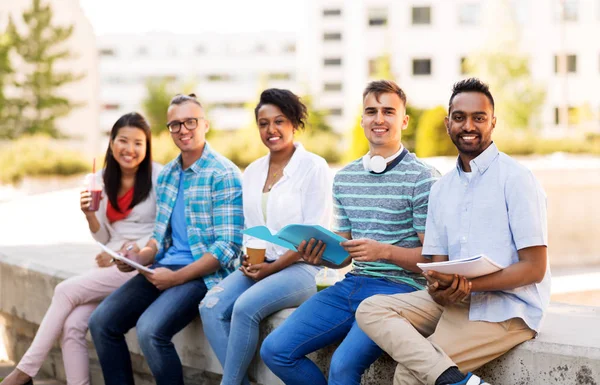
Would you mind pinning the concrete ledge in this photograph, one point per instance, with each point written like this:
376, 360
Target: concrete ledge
567, 351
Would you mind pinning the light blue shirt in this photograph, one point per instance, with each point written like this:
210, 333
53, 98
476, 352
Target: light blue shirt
499, 210
179, 253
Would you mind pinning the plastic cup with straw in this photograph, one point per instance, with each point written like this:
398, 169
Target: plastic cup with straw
95, 188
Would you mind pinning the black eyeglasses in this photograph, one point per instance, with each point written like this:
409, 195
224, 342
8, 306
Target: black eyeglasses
175, 126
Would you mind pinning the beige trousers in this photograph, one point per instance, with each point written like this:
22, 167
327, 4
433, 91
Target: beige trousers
426, 338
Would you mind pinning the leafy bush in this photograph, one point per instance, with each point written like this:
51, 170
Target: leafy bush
163, 148
324, 144
432, 138
526, 144
39, 155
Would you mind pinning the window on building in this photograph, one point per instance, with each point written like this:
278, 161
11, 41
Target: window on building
571, 63
378, 17
111, 106
228, 105
469, 14
569, 10
421, 15
521, 10
219, 77
332, 61
464, 69
336, 111
332, 87
142, 51
332, 12
421, 66
280, 76
260, 48
572, 115
332, 36
106, 52
200, 49
289, 48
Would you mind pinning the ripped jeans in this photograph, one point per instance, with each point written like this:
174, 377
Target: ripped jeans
231, 313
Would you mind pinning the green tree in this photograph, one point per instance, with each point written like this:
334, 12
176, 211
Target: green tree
317, 121
359, 145
155, 103
40, 47
518, 97
432, 138
6, 72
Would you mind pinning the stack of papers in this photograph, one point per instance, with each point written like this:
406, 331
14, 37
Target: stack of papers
472, 267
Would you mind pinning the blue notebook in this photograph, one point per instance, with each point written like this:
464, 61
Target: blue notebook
292, 235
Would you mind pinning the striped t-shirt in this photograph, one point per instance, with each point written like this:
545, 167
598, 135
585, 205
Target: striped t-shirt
388, 208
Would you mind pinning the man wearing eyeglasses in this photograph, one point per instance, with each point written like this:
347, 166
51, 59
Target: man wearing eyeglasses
196, 243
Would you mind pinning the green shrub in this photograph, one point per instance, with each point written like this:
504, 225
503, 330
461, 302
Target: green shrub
163, 148
432, 138
242, 147
324, 144
359, 145
39, 155
514, 143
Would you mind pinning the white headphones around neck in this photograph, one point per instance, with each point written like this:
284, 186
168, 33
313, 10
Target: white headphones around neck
378, 163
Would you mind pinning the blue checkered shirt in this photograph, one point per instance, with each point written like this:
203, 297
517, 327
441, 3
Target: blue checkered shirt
213, 210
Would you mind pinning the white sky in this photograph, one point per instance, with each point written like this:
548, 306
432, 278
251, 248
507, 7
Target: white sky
193, 16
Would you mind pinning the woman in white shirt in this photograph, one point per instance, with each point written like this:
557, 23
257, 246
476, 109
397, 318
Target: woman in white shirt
124, 219
289, 185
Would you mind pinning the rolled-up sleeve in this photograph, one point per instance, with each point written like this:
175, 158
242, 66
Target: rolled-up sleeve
228, 217
526, 202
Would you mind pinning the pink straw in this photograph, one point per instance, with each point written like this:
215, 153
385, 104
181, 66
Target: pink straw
94, 174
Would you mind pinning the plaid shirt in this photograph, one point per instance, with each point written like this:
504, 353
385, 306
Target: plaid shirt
213, 210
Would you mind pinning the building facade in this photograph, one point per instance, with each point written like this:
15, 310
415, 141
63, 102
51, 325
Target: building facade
227, 72
427, 42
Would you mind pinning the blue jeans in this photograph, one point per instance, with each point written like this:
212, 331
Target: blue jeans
231, 313
157, 316
327, 317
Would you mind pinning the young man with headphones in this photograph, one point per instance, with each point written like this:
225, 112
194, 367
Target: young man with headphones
380, 206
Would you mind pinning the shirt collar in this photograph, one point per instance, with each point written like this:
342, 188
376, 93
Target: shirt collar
295, 161
483, 161
197, 165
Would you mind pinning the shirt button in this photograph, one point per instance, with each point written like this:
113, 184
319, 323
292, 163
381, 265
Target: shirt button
463, 239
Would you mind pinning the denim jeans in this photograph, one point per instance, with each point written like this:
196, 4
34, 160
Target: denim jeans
157, 316
231, 313
327, 317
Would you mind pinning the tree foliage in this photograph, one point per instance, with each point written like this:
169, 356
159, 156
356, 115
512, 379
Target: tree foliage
39, 48
432, 138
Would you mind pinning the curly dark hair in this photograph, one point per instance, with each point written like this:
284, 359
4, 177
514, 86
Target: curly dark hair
471, 85
288, 102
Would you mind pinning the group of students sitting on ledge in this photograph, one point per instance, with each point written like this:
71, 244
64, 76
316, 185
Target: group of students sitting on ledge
185, 221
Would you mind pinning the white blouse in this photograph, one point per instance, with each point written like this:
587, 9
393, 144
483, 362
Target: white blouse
301, 196
137, 226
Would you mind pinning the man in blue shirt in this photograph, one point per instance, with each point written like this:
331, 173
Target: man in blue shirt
196, 242
489, 204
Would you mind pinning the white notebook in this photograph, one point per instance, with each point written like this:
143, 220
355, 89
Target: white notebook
128, 261
468, 267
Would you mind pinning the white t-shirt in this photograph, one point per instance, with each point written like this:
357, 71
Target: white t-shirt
302, 195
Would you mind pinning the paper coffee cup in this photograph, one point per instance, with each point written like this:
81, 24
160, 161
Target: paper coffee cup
256, 250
